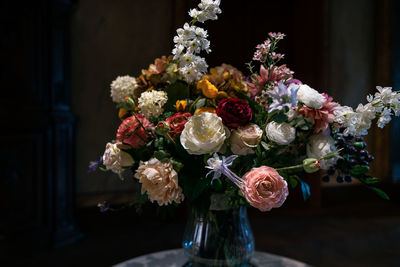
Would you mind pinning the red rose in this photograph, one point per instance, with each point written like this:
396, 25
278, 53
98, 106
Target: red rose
131, 131
177, 122
234, 112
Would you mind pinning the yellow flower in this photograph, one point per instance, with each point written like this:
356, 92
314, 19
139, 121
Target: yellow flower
207, 88
122, 113
181, 105
205, 109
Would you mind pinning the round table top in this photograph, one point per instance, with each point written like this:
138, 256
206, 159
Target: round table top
176, 258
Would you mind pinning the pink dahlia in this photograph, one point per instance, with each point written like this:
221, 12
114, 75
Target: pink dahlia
321, 117
135, 130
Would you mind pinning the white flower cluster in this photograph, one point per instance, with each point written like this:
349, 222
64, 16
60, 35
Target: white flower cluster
208, 10
386, 103
151, 103
191, 40
320, 145
122, 87
383, 105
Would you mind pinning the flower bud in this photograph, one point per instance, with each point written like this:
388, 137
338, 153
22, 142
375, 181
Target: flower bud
162, 128
311, 165
181, 105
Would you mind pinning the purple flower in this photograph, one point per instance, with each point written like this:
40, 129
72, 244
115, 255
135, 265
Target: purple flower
283, 96
104, 206
94, 164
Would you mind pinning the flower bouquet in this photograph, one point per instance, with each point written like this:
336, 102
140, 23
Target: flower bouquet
224, 141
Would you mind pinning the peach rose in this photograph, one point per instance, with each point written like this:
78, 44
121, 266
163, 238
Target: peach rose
160, 181
264, 188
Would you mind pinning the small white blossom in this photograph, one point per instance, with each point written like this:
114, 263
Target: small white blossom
385, 117
122, 87
208, 10
151, 103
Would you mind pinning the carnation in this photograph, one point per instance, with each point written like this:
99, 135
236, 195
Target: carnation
319, 145
203, 133
310, 97
122, 87
151, 103
177, 122
115, 159
160, 181
245, 138
280, 133
135, 130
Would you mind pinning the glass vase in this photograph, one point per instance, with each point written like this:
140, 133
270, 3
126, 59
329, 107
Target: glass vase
218, 238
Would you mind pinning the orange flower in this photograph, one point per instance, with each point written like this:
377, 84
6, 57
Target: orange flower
181, 105
205, 109
122, 114
207, 88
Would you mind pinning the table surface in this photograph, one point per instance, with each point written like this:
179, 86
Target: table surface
176, 258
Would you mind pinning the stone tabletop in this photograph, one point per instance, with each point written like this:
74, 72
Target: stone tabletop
176, 258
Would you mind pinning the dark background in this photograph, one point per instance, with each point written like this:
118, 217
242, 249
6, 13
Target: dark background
57, 61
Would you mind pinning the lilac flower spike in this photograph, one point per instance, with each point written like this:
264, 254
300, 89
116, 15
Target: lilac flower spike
219, 167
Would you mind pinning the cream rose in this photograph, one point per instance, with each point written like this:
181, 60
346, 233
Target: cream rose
320, 145
160, 181
310, 97
115, 159
203, 133
245, 138
280, 133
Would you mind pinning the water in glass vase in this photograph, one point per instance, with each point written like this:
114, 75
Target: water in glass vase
218, 238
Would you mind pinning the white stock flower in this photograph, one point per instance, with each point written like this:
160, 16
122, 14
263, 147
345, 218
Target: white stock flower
245, 138
280, 133
310, 97
203, 133
356, 122
160, 181
151, 103
319, 145
122, 87
385, 117
208, 10
115, 159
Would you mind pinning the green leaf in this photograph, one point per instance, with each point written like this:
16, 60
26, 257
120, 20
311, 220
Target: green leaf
370, 180
293, 181
280, 117
177, 165
379, 192
161, 155
358, 170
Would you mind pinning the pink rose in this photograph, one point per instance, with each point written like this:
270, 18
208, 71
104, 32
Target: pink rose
134, 131
264, 188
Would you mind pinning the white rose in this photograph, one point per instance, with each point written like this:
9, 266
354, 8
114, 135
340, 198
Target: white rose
245, 138
320, 145
203, 133
115, 159
280, 133
310, 97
